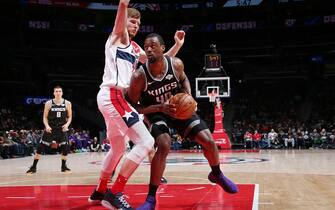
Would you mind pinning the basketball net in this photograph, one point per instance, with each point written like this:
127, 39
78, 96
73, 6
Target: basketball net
212, 96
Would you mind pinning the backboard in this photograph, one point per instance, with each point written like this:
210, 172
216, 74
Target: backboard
206, 85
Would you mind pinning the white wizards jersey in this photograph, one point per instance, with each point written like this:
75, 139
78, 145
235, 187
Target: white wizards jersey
120, 63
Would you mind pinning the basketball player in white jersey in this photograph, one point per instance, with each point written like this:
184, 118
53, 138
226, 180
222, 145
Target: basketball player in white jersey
122, 120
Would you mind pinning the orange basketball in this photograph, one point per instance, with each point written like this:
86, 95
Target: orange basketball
54, 145
185, 105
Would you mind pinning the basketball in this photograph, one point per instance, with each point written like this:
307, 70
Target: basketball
185, 105
54, 145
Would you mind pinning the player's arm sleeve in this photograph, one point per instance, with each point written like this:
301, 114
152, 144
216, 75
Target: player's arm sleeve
178, 66
47, 108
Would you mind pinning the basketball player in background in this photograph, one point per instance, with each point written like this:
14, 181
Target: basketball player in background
57, 117
122, 120
152, 85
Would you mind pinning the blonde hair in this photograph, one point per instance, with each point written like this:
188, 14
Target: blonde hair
133, 13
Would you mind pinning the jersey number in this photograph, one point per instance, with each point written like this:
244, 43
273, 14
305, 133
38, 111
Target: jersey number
58, 114
163, 98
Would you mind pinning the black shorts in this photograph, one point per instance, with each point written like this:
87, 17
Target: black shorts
186, 128
56, 135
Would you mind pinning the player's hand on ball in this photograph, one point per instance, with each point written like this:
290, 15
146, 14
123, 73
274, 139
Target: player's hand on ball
169, 109
48, 129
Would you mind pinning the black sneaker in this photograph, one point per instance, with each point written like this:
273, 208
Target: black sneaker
31, 170
96, 197
117, 201
65, 169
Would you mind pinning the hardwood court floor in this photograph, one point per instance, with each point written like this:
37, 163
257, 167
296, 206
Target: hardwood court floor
288, 179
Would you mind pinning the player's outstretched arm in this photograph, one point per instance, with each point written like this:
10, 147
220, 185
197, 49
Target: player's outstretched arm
47, 108
183, 80
179, 38
119, 33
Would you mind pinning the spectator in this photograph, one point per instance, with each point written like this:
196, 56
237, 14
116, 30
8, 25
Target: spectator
265, 142
248, 140
177, 142
323, 137
315, 137
105, 145
95, 145
307, 139
300, 139
8, 147
272, 137
256, 139
289, 139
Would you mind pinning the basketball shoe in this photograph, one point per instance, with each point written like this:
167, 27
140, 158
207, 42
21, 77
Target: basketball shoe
149, 204
224, 182
65, 169
31, 170
96, 197
117, 201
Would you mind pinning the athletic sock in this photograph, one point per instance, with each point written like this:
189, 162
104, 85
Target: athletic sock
102, 185
63, 163
216, 170
119, 184
35, 163
152, 190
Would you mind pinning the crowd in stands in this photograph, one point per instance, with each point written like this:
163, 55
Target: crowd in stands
284, 136
23, 143
17, 143
291, 118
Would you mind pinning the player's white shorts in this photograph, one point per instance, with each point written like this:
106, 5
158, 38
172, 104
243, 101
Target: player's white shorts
118, 113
